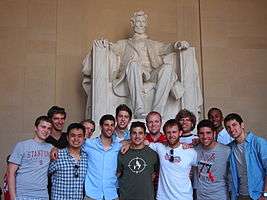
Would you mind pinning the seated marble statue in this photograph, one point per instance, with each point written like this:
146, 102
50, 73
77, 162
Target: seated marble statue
140, 62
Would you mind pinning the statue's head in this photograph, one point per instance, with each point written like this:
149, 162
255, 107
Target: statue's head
139, 22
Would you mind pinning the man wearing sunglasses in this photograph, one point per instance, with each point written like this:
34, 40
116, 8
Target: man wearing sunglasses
69, 169
175, 165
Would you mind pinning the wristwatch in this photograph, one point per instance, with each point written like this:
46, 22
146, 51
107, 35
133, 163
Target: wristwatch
265, 194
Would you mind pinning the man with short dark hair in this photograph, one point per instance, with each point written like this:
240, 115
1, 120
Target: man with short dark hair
69, 169
57, 138
211, 178
175, 165
187, 121
248, 161
123, 118
222, 136
102, 153
89, 127
137, 166
28, 164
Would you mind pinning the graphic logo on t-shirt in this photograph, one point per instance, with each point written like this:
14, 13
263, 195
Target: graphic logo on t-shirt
204, 167
137, 165
173, 158
38, 155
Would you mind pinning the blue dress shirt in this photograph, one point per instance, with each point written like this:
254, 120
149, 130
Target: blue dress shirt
256, 160
126, 136
100, 181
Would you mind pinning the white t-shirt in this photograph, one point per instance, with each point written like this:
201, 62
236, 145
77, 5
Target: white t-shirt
174, 180
224, 137
187, 139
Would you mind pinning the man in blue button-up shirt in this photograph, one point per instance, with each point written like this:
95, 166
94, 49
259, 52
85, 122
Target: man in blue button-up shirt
102, 153
248, 161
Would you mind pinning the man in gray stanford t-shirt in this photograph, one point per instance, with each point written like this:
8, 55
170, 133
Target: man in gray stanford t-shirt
137, 166
212, 165
28, 164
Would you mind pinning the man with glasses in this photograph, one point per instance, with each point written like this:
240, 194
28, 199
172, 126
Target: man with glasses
175, 165
69, 169
187, 121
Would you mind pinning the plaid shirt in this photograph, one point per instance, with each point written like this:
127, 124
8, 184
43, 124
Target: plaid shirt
68, 176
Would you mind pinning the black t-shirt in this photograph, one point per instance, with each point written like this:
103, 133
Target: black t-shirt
61, 143
136, 168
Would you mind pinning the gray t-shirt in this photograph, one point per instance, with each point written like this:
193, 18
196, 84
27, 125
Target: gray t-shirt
212, 172
33, 159
239, 153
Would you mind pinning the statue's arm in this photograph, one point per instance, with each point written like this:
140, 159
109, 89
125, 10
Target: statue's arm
181, 45
168, 48
118, 47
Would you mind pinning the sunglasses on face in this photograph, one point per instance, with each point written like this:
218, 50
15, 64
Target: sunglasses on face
76, 171
171, 156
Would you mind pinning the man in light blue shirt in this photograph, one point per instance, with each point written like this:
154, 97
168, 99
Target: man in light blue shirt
102, 153
248, 161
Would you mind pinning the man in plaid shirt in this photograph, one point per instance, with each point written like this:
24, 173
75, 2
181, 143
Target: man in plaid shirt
69, 169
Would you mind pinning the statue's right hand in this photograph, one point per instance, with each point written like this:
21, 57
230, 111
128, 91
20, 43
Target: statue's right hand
102, 43
54, 153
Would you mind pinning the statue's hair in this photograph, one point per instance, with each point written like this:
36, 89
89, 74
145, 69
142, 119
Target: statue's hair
136, 14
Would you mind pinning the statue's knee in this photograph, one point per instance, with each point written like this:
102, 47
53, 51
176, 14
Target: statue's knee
167, 69
133, 67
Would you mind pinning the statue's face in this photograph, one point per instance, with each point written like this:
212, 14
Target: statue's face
140, 24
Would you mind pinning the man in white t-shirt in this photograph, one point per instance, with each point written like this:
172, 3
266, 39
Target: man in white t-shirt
187, 121
175, 165
222, 136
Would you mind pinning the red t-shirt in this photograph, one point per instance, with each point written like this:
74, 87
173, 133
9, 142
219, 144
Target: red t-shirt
162, 138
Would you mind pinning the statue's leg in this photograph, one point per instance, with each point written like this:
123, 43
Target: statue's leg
165, 81
135, 84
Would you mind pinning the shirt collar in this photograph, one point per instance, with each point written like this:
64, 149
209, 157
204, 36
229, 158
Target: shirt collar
99, 141
249, 136
185, 136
